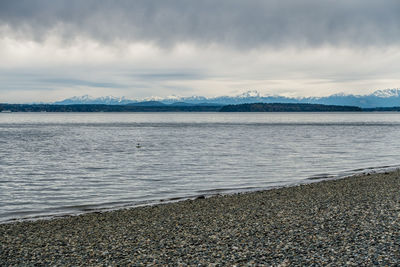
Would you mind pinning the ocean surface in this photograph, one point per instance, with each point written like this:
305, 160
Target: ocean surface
55, 164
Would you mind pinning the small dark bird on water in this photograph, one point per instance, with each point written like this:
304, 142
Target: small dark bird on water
138, 145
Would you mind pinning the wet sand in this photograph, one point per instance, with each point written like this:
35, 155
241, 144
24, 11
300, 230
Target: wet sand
352, 221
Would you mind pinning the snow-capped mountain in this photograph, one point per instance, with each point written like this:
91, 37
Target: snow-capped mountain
387, 93
251, 93
380, 98
86, 99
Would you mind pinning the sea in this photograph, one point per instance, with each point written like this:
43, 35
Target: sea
58, 164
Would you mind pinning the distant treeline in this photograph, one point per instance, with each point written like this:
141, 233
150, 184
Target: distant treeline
284, 107
103, 108
382, 109
255, 107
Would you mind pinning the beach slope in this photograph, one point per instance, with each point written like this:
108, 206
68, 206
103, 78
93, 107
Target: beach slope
353, 221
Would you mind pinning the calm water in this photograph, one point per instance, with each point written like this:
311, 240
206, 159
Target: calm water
69, 163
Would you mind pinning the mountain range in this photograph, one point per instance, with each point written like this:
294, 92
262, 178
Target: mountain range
379, 98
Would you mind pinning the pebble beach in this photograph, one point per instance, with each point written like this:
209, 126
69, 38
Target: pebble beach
351, 221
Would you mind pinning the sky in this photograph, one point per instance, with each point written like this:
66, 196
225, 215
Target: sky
54, 49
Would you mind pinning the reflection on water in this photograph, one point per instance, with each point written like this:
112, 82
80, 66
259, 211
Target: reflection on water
68, 163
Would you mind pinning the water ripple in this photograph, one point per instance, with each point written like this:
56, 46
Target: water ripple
58, 164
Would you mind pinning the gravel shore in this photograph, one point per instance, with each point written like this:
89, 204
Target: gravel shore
352, 221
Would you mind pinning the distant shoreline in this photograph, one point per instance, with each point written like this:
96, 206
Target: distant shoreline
351, 221
252, 107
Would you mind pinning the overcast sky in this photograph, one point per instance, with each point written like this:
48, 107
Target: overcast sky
54, 49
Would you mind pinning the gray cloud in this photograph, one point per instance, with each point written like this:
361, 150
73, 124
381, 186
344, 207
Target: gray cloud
236, 23
165, 76
76, 82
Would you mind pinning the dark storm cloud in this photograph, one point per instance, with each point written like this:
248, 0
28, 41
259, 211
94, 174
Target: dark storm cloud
238, 23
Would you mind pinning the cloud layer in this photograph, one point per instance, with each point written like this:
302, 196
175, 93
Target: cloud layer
243, 24
53, 49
